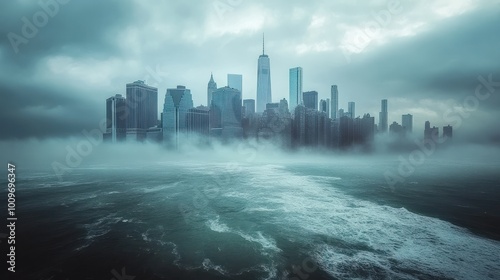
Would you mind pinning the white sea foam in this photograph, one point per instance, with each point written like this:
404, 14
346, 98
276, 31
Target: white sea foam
216, 225
375, 239
208, 265
98, 228
267, 243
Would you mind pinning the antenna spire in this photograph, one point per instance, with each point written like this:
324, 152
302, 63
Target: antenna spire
263, 44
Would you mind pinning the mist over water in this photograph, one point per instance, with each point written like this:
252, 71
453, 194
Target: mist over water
249, 210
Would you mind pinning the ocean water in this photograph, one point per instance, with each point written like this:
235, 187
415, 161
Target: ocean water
237, 220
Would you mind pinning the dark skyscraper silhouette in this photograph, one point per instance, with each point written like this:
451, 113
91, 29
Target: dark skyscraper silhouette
142, 109
116, 118
407, 122
383, 116
447, 131
310, 99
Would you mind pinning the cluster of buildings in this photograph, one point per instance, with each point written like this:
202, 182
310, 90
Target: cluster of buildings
302, 120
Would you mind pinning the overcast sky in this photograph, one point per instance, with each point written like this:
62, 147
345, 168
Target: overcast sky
423, 56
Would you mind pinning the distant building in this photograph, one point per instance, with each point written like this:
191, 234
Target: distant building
273, 106
396, 128
283, 107
177, 103
310, 99
407, 122
351, 108
447, 131
364, 129
383, 117
341, 114
335, 102
430, 133
198, 120
346, 132
263, 81
235, 81
249, 105
211, 87
324, 106
142, 109
116, 118
299, 125
225, 113
295, 87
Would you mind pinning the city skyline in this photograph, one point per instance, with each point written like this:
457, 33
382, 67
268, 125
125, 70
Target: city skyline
84, 80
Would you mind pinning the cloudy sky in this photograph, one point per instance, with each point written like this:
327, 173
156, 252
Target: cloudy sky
59, 63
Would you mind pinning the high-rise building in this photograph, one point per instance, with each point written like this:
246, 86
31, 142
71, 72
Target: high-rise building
116, 118
198, 120
263, 81
212, 86
351, 108
310, 99
341, 114
383, 116
283, 107
235, 81
295, 87
335, 102
396, 128
299, 125
177, 103
142, 109
273, 106
447, 131
346, 131
407, 122
249, 105
430, 133
324, 106
225, 113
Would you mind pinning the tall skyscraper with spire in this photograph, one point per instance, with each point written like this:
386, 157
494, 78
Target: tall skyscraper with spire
263, 80
212, 86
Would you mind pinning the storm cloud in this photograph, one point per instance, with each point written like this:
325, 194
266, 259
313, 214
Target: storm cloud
424, 57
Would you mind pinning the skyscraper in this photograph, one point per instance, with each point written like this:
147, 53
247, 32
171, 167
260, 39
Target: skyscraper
407, 122
235, 81
142, 109
212, 86
249, 105
263, 81
447, 131
225, 113
324, 106
351, 108
177, 103
310, 99
383, 115
335, 102
295, 87
431, 133
116, 118
197, 120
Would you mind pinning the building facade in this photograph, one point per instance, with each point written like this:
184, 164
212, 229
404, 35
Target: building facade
142, 109
177, 103
295, 87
